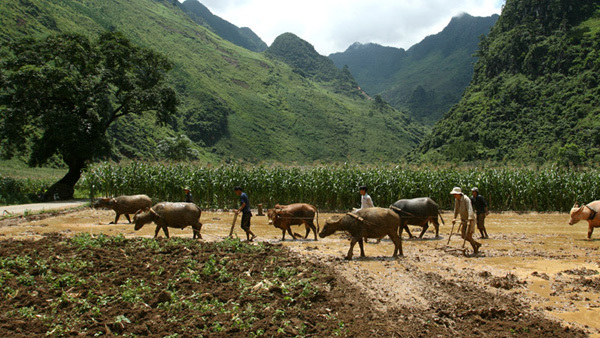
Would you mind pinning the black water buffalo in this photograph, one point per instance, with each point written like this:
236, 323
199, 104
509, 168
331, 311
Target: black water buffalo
417, 211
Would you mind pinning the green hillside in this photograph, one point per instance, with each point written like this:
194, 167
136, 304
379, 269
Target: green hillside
535, 94
428, 78
243, 37
236, 104
305, 61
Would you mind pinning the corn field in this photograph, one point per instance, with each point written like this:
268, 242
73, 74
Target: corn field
336, 187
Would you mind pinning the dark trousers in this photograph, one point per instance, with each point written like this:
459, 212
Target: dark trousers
246, 216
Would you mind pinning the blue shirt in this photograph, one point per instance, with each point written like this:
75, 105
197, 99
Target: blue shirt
244, 199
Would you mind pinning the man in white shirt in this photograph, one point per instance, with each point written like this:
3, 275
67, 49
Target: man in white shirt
366, 202
462, 207
365, 199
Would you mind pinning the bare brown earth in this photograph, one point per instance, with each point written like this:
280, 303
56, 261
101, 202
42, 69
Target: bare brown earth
535, 276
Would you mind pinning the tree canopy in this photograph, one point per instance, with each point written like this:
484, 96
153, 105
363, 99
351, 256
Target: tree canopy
59, 95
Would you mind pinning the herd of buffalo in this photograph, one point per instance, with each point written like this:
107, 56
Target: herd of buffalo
362, 224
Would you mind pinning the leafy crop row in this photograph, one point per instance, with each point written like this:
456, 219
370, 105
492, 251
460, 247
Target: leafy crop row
107, 286
336, 187
15, 191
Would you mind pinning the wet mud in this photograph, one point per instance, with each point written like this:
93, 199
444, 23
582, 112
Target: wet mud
535, 275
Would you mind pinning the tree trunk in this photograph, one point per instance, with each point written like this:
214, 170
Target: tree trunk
65, 187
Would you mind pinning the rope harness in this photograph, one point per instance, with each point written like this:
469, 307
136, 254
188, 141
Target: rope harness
360, 219
293, 217
400, 210
593, 214
154, 213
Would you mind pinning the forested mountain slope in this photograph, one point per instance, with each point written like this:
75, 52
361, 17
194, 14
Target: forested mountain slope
535, 94
305, 60
428, 78
243, 37
235, 104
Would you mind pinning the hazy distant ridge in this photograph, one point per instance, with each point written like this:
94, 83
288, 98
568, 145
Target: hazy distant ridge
429, 77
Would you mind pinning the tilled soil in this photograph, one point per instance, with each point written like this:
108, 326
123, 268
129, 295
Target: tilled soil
537, 261
102, 285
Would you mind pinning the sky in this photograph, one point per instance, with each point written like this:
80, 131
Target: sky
333, 25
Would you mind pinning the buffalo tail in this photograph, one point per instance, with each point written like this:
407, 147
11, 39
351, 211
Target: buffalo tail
439, 213
318, 227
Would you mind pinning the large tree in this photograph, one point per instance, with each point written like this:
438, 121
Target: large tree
59, 95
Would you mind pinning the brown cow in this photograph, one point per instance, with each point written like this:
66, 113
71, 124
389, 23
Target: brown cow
284, 216
588, 212
366, 223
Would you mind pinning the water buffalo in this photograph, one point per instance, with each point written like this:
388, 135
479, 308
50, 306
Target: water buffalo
366, 223
124, 205
588, 212
417, 211
284, 216
170, 215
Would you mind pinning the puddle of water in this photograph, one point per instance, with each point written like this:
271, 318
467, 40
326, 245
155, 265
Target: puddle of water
588, 316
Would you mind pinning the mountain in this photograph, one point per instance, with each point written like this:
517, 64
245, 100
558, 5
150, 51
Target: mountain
535, 92
305, 60
235, 104
243, 37
426, 79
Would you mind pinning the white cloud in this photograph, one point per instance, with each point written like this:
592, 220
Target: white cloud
333, 25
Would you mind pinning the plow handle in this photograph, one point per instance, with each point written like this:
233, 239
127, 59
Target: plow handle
451, 231
235, 216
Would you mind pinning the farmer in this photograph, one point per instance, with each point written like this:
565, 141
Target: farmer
365, 202
462, 207
365, 199
246, 214
481, 209
188, 195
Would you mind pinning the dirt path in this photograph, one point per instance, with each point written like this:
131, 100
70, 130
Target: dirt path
538, 260
57, 205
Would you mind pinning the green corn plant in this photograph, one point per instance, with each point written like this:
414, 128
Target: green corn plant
335, 187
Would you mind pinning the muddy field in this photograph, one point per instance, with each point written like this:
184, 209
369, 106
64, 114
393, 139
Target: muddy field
535, 275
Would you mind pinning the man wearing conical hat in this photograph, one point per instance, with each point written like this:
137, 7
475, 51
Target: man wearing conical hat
462, 207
